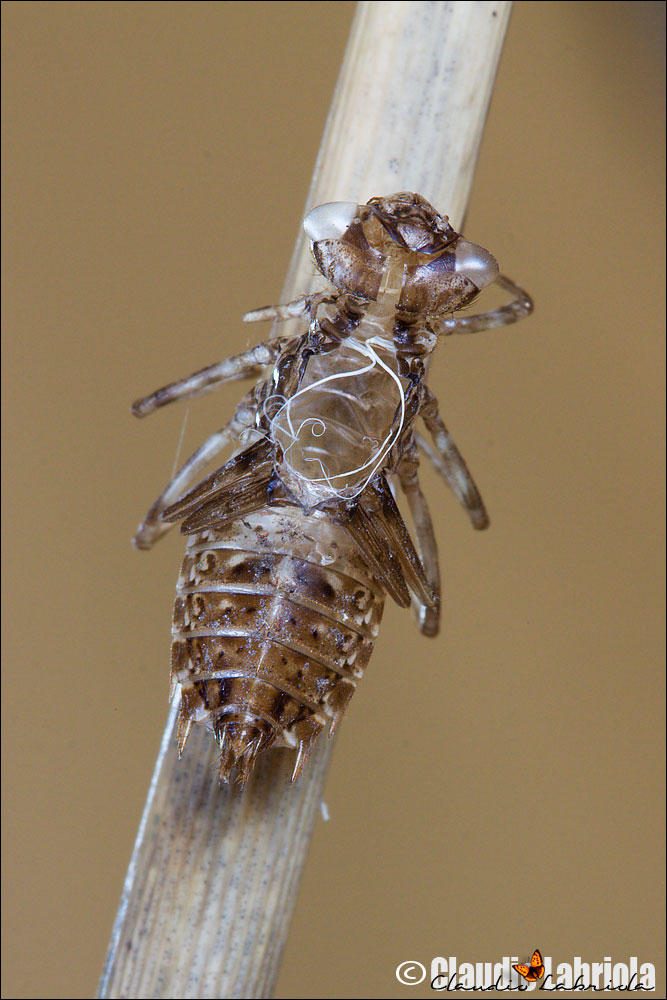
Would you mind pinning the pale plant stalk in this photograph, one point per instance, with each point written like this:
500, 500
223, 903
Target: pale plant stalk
213, 878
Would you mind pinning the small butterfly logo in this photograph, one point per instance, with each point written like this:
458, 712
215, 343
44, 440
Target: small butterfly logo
531, 973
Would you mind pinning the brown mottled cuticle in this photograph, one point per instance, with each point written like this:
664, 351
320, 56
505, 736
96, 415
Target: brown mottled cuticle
278, 638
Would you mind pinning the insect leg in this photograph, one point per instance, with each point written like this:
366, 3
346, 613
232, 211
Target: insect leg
304, 305
152, 528
448, 461
428, 618
520, 306
237, 367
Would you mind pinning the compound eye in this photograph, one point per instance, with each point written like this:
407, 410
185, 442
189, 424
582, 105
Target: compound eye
475, 263
330, 221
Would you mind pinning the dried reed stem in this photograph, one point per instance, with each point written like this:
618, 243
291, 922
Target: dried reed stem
214, 874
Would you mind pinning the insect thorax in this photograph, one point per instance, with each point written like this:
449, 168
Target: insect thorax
337, 430
400, 263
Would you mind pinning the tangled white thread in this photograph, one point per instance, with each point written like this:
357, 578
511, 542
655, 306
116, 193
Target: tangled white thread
318, 427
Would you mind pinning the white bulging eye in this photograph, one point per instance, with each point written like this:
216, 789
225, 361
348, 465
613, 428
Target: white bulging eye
329, 221
475, 263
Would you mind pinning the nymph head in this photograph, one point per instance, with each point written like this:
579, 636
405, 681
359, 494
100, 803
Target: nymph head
353, 244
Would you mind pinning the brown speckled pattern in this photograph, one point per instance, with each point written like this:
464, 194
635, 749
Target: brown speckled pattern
269, 636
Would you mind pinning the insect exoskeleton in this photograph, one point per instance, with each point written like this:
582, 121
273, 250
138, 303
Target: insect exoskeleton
295, 541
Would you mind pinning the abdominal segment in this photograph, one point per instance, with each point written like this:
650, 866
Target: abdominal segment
274, 623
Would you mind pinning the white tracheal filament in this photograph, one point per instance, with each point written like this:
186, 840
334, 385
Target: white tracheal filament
336, 431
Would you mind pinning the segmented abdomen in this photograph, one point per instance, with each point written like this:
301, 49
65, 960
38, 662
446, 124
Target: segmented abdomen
275, 619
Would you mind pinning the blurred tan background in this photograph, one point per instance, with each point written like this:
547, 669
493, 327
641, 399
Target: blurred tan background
157, 159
